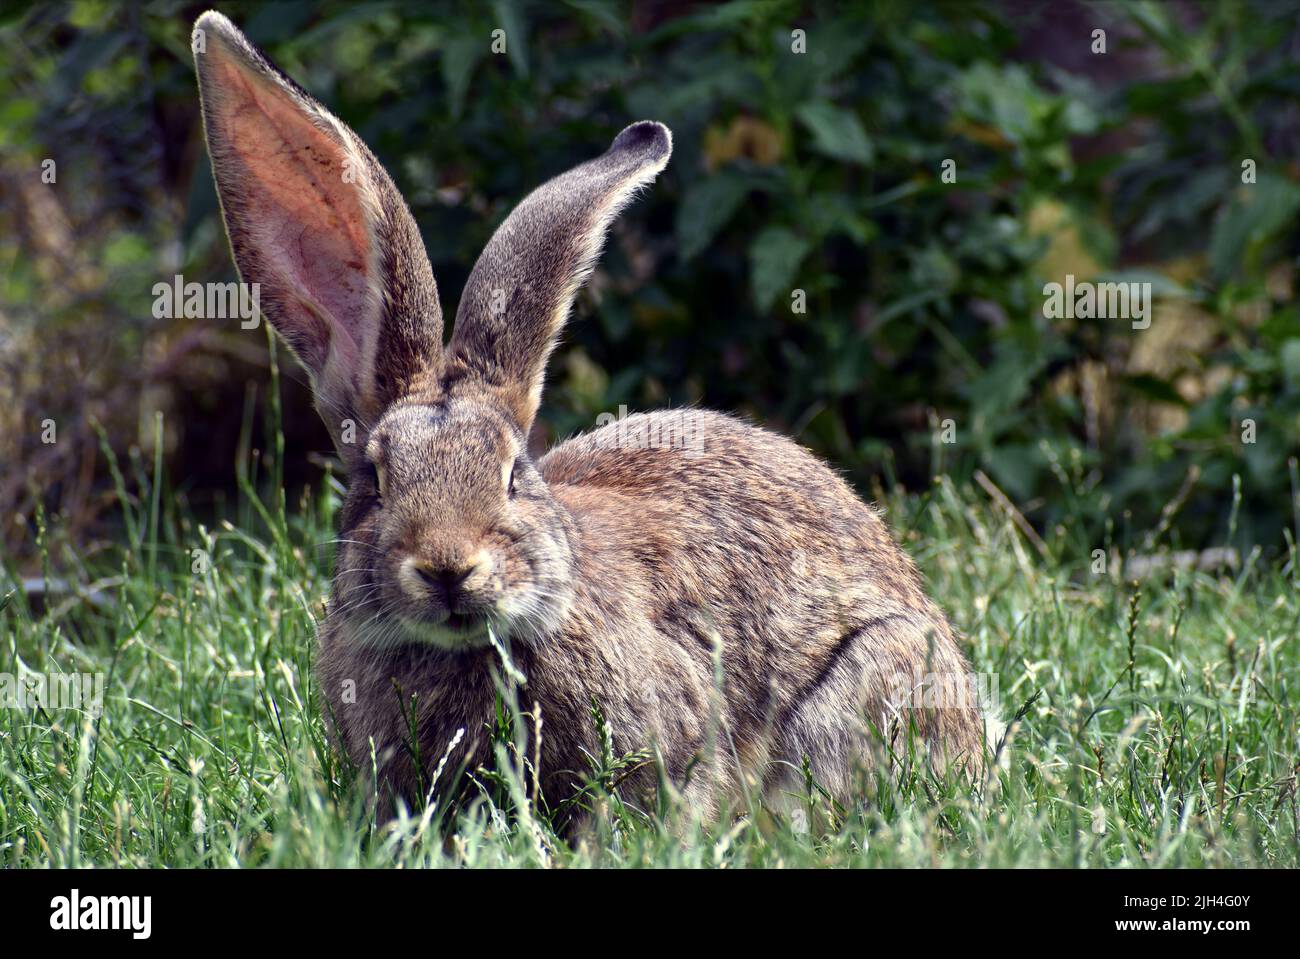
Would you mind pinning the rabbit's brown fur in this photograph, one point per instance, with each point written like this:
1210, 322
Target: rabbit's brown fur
630, 567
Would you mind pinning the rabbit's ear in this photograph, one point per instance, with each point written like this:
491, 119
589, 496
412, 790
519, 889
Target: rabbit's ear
522, 287
316, 222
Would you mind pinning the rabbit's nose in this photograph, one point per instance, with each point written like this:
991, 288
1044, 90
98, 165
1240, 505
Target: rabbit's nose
446, 581
443, 583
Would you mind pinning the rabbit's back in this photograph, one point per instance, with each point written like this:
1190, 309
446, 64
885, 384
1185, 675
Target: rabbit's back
727, 495
709, 529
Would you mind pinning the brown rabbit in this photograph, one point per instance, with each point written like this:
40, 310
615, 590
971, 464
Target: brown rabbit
626, 568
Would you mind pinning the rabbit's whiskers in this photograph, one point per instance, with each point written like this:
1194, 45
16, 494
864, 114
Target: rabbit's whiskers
354, 542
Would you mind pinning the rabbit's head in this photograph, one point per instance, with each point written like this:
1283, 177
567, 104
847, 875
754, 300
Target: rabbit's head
447, 526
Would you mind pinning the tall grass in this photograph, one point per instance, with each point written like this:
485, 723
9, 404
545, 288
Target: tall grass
1151, 725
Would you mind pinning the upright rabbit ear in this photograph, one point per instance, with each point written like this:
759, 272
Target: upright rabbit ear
316, 222
521, 289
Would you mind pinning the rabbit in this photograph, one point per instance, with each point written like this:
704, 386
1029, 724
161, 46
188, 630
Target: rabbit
695, 578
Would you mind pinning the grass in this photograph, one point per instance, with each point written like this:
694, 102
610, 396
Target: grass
1157, 724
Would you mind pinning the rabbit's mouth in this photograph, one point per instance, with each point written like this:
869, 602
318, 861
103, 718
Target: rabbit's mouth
465, 623
455, 631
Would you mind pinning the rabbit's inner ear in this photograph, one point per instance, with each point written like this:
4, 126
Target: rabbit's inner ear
315, 222
308, 228
293, 207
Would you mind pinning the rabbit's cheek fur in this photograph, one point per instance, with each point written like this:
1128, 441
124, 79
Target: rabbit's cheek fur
537, 568
358, 599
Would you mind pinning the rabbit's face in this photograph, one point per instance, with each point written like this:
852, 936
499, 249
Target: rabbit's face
448, 531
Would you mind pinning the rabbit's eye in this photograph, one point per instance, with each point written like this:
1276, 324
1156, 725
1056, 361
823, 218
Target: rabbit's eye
376, 479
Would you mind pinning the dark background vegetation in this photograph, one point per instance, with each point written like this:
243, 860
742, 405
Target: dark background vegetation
817, 171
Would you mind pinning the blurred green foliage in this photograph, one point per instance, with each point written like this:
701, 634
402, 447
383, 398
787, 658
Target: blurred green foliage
799, 178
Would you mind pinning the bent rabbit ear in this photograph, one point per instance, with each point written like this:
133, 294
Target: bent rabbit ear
315, 221
519, 294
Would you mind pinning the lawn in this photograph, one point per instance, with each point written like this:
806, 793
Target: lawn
1157, 722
